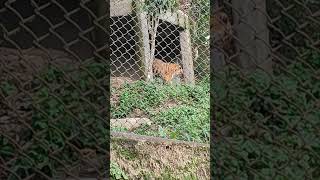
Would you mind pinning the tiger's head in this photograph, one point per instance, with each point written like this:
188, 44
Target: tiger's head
174, 70
222, 29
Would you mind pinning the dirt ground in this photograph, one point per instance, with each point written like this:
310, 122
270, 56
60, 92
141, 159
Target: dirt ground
143, 156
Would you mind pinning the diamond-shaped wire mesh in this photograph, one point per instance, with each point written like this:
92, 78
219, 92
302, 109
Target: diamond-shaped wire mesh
53, 89
182, 35
126, 38
54, 83
160, 106
54, 77
265, 91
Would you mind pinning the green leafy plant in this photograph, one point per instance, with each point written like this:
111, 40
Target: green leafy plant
188, 119
153, 9
63, 114
8, 88
271, 120
116, 172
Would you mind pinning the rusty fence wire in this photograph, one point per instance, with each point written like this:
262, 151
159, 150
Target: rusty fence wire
53, 89
265, 59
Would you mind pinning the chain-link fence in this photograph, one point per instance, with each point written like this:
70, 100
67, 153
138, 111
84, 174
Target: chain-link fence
182, 34
265, 60
53, 89
170, 40
54, 77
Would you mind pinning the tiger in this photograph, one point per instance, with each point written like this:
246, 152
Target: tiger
222, 39
166, 70
222, 30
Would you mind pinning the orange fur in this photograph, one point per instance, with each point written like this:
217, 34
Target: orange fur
166, 70
222, 29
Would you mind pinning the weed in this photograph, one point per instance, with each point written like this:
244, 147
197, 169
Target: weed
116, 172
188, 119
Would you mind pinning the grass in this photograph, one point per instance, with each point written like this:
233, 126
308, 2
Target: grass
59, 117
177, 111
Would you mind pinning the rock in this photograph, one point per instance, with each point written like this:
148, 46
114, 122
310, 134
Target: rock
130, 123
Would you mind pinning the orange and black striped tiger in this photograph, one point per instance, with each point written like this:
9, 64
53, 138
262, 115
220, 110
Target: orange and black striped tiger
222, 30
166, 70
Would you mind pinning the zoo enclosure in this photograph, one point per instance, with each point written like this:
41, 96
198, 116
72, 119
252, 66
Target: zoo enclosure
54, 82
181, 37
53, 89
264, 127
265, 91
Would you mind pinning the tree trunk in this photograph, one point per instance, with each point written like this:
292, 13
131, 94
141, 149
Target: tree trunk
154, 23
250, 27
